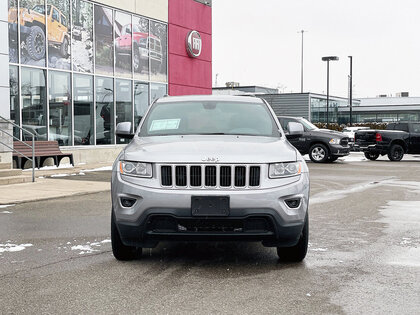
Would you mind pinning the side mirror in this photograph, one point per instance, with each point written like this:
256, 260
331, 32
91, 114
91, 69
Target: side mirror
124, 130
295, 130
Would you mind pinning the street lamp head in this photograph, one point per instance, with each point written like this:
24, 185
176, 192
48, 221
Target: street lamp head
330, 58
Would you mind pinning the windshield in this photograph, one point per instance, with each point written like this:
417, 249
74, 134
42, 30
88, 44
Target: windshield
40, 9
308, 125
209, 118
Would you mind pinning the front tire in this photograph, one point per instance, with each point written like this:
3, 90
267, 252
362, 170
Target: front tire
121, 251
318, 153
35, 43
396, 153
298, 252
371, 156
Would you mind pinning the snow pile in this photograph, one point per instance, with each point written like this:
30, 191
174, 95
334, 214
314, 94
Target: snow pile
6, 206
89, 247
103, 168
13, 247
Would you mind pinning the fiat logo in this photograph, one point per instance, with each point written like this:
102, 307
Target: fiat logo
194, 44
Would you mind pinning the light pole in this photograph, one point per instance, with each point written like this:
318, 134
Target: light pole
328, 59
301, 64
351, 90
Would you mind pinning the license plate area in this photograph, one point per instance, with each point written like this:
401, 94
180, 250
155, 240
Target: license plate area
210, 206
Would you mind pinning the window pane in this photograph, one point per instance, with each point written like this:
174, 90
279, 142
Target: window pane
141, 101
104, 54
82, 35
58, 35
32, 38
157, 91
124, 103
13, 39
158, 52
104, 110
14, 98
60, 107
141, 48
122, 28
83, 109
33, 101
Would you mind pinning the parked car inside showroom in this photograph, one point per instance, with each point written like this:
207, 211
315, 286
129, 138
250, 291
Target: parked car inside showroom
209, 168
322, 145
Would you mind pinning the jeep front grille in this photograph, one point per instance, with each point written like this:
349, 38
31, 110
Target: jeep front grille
210, 176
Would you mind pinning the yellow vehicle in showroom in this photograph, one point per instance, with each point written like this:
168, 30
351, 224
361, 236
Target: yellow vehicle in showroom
32, 30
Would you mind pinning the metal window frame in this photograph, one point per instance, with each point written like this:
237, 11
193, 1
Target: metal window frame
93, 74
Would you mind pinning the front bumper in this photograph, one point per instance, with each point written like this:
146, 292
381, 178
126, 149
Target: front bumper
339, 150
165, 214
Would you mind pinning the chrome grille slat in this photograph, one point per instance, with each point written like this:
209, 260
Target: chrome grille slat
210, 176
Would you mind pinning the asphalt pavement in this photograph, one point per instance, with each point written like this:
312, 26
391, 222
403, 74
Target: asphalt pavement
364, 255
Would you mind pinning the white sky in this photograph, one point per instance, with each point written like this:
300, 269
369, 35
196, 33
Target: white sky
255, 42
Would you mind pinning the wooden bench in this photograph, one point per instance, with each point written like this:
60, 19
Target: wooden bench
43, 151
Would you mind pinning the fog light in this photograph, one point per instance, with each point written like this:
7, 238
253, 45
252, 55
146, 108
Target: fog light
293, 203
127, 202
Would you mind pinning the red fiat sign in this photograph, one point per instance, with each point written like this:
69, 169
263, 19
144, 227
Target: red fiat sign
194, 44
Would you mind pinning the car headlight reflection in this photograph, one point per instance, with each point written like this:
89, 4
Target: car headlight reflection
138, 169
278, 170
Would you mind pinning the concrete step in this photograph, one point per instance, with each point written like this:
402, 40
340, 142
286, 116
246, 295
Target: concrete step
5, 166
14, 180
10, 172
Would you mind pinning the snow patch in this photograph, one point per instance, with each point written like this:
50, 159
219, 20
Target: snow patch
6, 206
403, 218
6, 212
60, 175
104, 168
53, 167
13, 247
89, 247
319, 249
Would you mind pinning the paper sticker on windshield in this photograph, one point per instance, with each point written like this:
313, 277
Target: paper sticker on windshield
164, 124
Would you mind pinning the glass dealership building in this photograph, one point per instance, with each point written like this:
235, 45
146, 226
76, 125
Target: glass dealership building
77, 68
313, 106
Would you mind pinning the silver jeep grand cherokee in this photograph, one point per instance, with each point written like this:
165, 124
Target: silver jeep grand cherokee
211, 168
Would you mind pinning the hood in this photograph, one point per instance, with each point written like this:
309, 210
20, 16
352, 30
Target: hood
328, 132
210, 149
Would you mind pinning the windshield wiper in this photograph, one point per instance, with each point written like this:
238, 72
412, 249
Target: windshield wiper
209, 133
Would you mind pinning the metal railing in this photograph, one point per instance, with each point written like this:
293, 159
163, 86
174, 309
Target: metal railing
17, 139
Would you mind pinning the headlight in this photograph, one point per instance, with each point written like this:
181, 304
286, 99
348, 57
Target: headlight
335, 141
285, 169
138, 169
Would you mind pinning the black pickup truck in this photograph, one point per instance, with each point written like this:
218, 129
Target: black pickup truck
398, 139
322, 145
